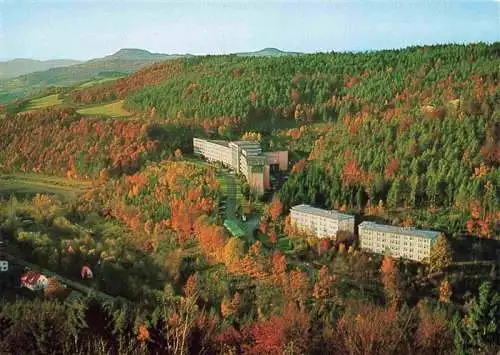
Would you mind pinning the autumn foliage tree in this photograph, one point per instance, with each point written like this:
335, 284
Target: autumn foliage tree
275, 209
390, 280
441, 254
279, 334
445, 291
369, 330
433, 334
323, 288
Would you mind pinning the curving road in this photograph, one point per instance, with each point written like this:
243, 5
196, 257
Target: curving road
229, 187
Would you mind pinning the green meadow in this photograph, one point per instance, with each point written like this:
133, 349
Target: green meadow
96, 82
43, 102
114, 110
28, 185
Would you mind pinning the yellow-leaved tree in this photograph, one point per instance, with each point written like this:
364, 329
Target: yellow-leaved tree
441, 254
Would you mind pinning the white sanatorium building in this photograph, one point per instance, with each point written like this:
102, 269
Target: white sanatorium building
409, 243
320, 223
245, 157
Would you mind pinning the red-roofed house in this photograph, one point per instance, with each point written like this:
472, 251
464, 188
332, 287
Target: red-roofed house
86, 272
34, 281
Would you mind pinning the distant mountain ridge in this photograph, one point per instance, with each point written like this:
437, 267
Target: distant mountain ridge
123, 62
267, 52
70, 72
21, 66
141, 54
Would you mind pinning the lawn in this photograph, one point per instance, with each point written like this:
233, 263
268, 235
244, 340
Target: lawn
285, 244
28, 185
43, 102
114, 110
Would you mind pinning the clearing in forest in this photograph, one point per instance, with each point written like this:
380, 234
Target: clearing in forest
43, 102
28, 185
91, 83
114, 110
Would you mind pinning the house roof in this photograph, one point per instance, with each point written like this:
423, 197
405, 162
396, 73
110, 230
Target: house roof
321, 212
247, 144
31, 277
219, 142
234, 228
399, 230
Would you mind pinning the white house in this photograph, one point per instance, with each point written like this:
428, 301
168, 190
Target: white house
34, 281
4, 266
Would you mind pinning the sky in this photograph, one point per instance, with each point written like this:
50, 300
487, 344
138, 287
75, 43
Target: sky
87, 29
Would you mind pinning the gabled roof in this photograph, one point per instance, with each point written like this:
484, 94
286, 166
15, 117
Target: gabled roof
31, 277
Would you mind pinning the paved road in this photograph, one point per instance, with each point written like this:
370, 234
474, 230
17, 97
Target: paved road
230, 185
230, 188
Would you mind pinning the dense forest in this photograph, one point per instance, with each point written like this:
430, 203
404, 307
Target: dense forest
408, 137
415, 131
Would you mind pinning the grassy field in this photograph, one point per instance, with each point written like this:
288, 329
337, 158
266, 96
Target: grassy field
114, 110
95, 82
28, 185
46, 101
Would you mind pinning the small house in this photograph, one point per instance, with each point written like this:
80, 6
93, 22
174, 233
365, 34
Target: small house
4, 266
34, 281
86, 272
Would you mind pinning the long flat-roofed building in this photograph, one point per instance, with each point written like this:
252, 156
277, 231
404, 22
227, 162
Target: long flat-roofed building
404, 242
319, 222
214, 150
245, 157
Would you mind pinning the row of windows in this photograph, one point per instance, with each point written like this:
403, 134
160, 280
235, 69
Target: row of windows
315, 219
410, 254
377, 235
395, 242
394, 245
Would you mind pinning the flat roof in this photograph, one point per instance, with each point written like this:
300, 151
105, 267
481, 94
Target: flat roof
218, 142
246, 143
234, 227
321, 212
399, 230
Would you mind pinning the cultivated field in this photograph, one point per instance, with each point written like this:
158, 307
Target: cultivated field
114, 110
43, 102
96, 82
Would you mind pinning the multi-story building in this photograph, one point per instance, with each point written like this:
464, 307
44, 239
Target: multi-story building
214, 150
320, 223
245, 157
404, 242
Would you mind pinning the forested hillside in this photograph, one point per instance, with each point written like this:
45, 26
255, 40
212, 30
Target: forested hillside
123, 62
413, 129
62, 142
407, 137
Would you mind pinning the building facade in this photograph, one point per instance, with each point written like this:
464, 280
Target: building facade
214, 150
320, 223
408, 243
245, 157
